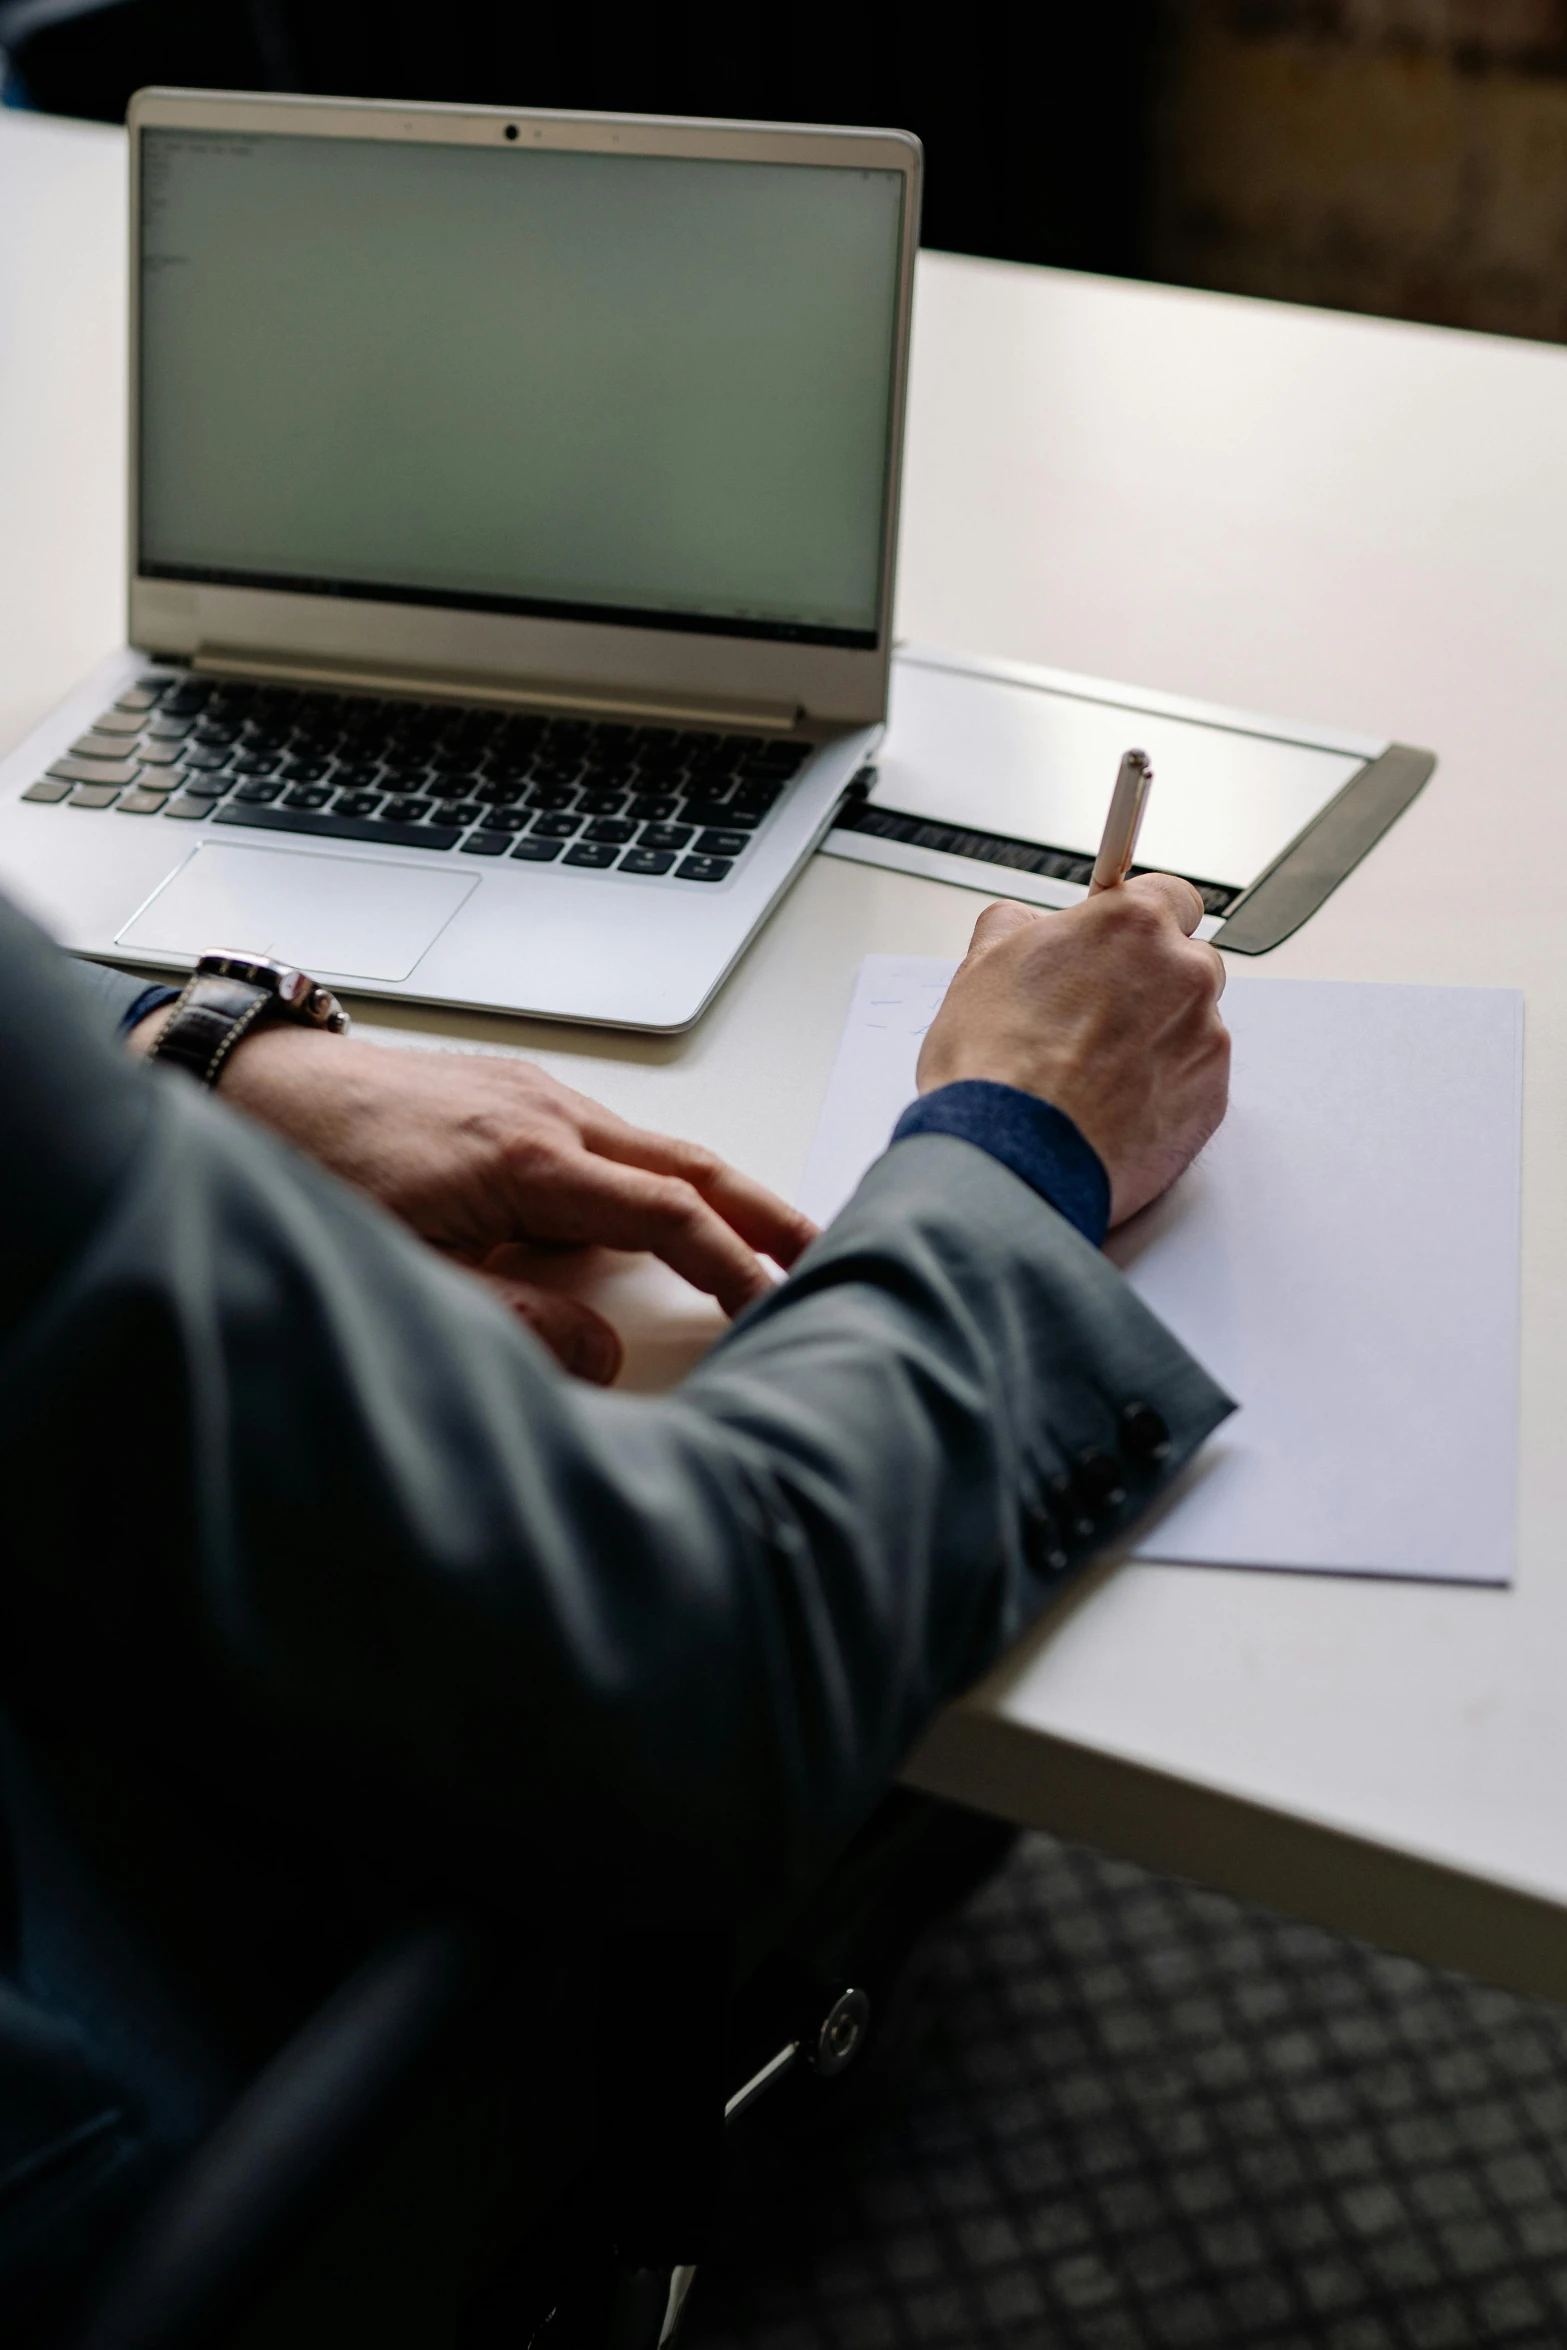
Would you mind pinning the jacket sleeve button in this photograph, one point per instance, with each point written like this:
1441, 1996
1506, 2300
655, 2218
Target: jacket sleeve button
1098, 1480
1043, 1543
1145, 1434
1072, 1508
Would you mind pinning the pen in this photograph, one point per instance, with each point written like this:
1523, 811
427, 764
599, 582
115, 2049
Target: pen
1128, 802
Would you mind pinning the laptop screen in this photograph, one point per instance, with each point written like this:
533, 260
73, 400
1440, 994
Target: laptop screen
640, 389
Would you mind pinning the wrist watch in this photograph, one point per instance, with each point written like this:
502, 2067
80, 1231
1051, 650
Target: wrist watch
226, 996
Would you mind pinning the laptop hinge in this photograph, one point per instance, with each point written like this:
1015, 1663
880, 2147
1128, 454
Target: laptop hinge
596, 701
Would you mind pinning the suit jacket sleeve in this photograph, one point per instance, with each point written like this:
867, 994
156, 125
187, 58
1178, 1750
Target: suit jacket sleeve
108, 992
286, 1502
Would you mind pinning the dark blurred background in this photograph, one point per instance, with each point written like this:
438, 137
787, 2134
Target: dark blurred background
1031, 117
1407, 157
1401, 156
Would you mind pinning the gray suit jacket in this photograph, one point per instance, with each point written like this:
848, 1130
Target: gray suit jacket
332, 1591
284, 1498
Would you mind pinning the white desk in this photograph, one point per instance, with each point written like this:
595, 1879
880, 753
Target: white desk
1334, 518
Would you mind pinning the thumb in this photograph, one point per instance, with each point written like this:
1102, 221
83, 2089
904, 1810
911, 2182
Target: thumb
575, 1335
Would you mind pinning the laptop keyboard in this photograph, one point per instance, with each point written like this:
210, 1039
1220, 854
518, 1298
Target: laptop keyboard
646, 800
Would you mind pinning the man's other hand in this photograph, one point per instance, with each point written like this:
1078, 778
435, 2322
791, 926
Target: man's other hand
479, 1152
1111, 1012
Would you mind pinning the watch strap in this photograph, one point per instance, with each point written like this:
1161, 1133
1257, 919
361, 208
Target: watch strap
210, 1017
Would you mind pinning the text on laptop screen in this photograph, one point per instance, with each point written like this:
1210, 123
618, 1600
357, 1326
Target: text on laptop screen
608, 387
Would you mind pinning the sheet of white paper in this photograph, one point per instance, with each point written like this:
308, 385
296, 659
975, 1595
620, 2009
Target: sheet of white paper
1343, 1258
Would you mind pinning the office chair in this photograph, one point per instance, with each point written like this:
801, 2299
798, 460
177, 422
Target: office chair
425, 2163
283, 2226
186, 2171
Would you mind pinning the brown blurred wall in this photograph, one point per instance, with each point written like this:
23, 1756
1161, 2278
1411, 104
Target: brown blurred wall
1401, 156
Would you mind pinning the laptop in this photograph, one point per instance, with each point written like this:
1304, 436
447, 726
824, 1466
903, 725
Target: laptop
513, 518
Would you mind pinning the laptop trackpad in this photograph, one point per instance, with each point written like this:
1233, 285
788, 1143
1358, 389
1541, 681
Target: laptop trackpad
339, 917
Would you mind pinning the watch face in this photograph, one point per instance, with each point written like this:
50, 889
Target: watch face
279, 979
294, 992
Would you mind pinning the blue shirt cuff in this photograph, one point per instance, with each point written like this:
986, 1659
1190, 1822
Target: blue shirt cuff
150, 1000
1035, 1139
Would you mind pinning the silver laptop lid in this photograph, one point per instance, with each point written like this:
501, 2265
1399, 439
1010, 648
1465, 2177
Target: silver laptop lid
594, 408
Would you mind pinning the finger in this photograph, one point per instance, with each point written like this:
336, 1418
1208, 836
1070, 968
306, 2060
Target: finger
1173, 895
1218, 968
748, 1207
578, 1338
632, 1207
597, 1201
999, 921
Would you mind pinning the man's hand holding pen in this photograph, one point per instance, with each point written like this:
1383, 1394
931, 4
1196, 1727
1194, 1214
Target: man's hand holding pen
1109, 1010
